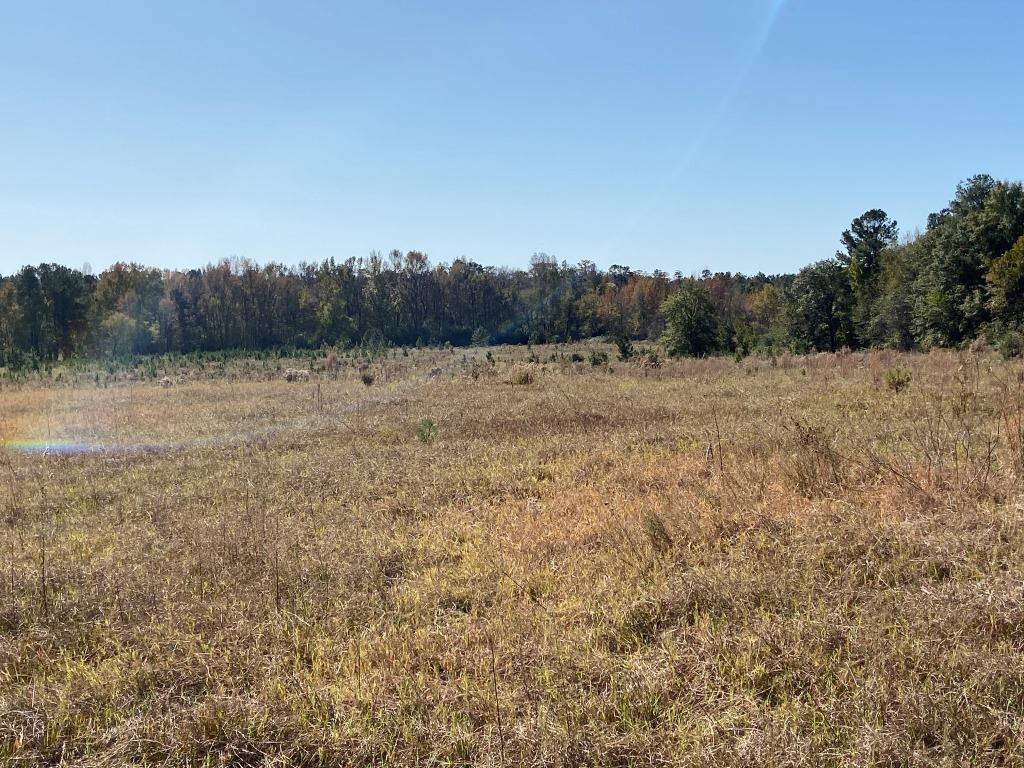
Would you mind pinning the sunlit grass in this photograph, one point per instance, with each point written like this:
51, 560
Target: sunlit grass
712, 563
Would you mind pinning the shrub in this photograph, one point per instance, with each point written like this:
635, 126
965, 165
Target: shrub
625, 347
480, 337
367, 378
897, 379
521, 375
576, 357
690, 321
1011, 345
650, 360
598, 358
426, 431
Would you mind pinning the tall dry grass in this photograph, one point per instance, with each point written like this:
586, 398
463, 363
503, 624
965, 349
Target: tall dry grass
776, 562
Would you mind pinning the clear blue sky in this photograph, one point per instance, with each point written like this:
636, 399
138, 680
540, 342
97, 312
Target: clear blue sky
736, 135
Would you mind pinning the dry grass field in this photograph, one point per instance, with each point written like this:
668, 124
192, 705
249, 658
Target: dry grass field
517, 562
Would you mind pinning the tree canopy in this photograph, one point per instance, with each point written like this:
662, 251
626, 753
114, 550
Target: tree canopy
961, 278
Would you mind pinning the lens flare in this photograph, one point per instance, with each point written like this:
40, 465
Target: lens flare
678, 164
76, 448
728, 96
65, 439
45, 447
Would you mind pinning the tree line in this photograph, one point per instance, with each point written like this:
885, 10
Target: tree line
963, 277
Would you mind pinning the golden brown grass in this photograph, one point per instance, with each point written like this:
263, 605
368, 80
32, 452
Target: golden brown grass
776, 562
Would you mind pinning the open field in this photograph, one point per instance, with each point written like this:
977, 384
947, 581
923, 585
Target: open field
769, 562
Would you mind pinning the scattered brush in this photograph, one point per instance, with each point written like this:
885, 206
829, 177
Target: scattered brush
897, 379
581, 577
520, 375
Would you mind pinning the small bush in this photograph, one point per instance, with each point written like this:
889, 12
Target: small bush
426, 431
521, 375
1011, 345
367, 378
647, 359
576, 357
598, 359
625, 347
897, 379
480, 337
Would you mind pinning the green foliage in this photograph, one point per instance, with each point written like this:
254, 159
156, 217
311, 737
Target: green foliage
822, 306
961, 277
480, 337
897, 379
963, 242
117, 334
1011, 345
374, 343
868, 236
426, 431
1005, 278
336, 327
625, 347
598, 358
690, 321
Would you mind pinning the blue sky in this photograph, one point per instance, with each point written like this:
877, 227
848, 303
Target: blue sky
738, 135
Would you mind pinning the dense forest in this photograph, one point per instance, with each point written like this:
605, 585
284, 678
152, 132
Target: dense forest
960, 279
